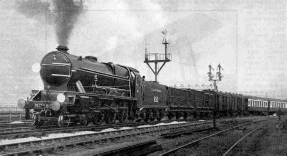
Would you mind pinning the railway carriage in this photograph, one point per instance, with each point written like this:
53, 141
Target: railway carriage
276, 105
258, 106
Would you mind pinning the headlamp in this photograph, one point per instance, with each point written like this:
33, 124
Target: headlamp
61, 97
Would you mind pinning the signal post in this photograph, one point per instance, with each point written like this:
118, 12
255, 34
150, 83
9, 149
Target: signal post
158, 57
211, 78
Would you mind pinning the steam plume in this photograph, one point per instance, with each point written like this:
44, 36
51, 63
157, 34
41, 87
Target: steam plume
67, 13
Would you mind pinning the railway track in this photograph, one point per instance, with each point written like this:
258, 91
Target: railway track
175, 150
19, 133
41, 145
8, 124
237, 142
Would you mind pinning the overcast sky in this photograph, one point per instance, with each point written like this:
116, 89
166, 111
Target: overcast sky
247, 38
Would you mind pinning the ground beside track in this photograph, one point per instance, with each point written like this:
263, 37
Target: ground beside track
270, 140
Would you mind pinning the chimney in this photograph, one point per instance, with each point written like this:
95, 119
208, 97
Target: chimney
62, 49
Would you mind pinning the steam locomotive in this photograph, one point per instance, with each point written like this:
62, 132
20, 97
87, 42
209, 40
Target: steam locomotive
79, 90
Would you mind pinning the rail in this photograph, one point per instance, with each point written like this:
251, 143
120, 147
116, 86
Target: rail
227, 152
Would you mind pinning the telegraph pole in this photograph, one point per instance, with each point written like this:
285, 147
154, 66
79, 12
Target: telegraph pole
158, 57
218, 75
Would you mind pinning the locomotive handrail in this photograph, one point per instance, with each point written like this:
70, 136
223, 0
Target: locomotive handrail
61, 75
57, 64
106, 87
104, 74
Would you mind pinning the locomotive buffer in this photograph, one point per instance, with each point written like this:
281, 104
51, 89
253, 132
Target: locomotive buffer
158, 57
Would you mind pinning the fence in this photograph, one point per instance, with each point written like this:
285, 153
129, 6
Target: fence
11, 114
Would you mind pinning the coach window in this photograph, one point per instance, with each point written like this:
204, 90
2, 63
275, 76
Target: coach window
260, 103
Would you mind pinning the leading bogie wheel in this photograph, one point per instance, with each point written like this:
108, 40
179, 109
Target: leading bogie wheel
37, 120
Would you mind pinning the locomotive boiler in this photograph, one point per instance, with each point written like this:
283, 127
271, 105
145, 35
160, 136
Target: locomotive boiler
80, 90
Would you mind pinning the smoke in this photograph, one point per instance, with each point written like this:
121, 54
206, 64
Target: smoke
63, 14
67, 13
35, 9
